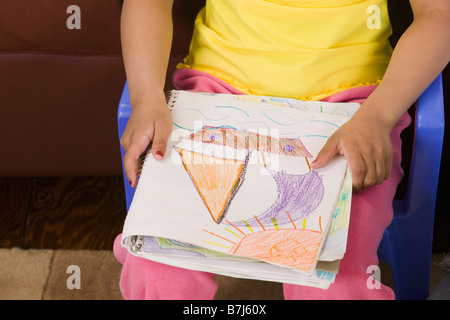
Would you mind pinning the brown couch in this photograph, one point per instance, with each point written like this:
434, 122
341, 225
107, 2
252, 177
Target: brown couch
60, 87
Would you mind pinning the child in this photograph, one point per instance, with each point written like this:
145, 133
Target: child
330, 50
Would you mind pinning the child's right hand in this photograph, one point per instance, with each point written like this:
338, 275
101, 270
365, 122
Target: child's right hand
150, 122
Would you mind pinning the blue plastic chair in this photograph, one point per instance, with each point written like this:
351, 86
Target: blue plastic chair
123, 114
406, 245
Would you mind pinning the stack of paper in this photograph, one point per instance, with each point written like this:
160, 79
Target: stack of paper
236, 195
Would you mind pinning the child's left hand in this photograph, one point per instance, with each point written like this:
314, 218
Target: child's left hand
365, 142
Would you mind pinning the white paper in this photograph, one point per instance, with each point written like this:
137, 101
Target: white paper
236, 181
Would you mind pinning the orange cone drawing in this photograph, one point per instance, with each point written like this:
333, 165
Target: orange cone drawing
216, 179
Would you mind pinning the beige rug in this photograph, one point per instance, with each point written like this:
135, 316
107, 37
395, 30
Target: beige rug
48, 275
43, 275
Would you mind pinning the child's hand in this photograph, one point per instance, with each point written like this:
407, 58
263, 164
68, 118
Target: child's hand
365, 142
148, 123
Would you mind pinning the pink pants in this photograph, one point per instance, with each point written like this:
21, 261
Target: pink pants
371, 213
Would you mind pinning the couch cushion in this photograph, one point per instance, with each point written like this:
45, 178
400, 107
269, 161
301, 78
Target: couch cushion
40, 26
60, 88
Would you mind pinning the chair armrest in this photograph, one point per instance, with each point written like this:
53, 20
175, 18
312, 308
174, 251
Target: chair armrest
426, 153
123, 114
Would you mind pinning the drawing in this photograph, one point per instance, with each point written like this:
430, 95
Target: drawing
242, 139
168, 246
292, 247
245, 202
297, 194
216, 180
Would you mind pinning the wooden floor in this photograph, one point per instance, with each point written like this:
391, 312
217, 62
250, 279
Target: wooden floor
61, 213
88, 213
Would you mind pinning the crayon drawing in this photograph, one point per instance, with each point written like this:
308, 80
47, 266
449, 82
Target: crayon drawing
292, 247
289, 247
297, 194
243, 139
217, 181
236, 190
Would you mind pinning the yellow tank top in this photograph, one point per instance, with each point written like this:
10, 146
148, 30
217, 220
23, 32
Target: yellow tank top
304, 49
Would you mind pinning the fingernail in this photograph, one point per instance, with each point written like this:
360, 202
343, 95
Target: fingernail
131, 183
159, 154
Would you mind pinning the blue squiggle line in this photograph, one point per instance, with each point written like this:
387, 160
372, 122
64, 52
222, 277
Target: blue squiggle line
232, 107
310, 136
193, 109
327, 122
279, 123
182, 127
316, 136
287, 116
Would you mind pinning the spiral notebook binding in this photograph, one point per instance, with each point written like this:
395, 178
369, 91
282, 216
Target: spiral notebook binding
171, 98
141, 160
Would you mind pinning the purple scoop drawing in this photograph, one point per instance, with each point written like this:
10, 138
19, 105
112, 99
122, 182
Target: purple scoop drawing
298, 194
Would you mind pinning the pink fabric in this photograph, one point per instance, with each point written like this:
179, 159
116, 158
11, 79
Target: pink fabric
193, 80
143, 279
371, 213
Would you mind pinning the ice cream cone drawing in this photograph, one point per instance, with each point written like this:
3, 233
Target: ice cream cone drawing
236, 193
218, 179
